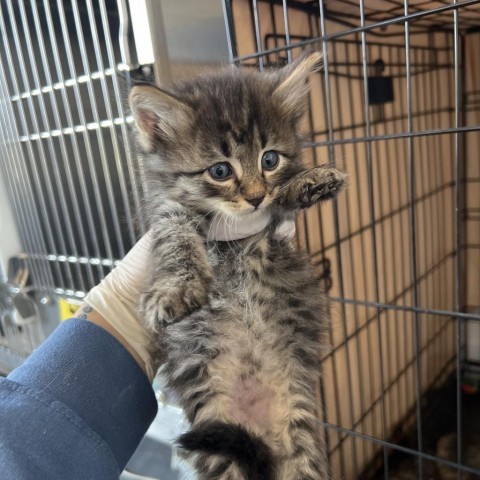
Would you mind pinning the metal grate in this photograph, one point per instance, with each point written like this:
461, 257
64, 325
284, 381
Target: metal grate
67, 156
397, 109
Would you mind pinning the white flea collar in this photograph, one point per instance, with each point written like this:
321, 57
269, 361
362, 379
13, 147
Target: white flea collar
226, 227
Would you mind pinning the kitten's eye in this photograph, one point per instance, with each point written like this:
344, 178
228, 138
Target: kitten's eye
270, 160
220, 171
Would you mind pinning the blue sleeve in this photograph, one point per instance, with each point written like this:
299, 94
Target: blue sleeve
76, 409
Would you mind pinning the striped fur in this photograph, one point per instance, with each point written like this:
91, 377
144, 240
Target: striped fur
237, 327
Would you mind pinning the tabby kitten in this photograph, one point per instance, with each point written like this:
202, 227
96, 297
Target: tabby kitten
237, 326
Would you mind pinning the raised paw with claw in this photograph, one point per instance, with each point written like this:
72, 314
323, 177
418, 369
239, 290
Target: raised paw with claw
312, 186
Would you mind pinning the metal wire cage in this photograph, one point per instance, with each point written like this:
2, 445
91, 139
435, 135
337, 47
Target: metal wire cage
396, 107
67, 162
70, 168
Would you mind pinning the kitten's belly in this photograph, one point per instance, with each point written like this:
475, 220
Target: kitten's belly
251, 377
255, 375
251, 403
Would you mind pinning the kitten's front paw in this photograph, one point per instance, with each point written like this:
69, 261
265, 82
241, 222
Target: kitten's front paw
163, 305
320, 184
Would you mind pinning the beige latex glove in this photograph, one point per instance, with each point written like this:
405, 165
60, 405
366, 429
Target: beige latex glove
116, 298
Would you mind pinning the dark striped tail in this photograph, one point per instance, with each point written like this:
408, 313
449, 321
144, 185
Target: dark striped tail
251, 454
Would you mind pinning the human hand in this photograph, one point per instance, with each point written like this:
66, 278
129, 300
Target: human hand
113, 304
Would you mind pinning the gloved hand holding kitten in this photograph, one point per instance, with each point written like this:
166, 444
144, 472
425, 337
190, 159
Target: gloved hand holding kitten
116, 297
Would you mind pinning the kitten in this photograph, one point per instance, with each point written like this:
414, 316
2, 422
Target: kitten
238, 326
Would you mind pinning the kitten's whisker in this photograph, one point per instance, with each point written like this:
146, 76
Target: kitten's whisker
231, 227
212, 223
217, 226
203, 217
229, 230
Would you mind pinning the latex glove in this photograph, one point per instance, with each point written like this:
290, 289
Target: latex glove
116, 299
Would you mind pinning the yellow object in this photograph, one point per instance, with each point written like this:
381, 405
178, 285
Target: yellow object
67, 308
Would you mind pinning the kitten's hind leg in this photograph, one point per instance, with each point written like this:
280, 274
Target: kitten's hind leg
303, 467
302, 447
305, 459
305, 464
312, 186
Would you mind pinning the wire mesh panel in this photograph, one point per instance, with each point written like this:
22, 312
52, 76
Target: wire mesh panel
394, 109
66, 151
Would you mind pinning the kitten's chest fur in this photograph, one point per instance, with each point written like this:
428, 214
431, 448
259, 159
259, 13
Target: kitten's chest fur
265, 286
261, 331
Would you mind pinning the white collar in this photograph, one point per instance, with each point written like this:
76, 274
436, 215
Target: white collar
228, 227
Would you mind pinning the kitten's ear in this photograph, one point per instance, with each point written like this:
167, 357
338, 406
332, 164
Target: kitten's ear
159, 114
293, 88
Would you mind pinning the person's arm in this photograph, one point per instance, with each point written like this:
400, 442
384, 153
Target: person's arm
86, 312
76, 409
80, 404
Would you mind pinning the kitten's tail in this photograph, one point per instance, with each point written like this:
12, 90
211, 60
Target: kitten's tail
251, 454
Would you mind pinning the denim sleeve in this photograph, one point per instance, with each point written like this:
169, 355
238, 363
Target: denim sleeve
76, 409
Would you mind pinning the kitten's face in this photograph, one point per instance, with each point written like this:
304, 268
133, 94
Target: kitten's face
241, 146
227, 142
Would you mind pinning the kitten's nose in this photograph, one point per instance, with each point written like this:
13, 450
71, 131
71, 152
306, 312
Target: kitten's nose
255, 201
